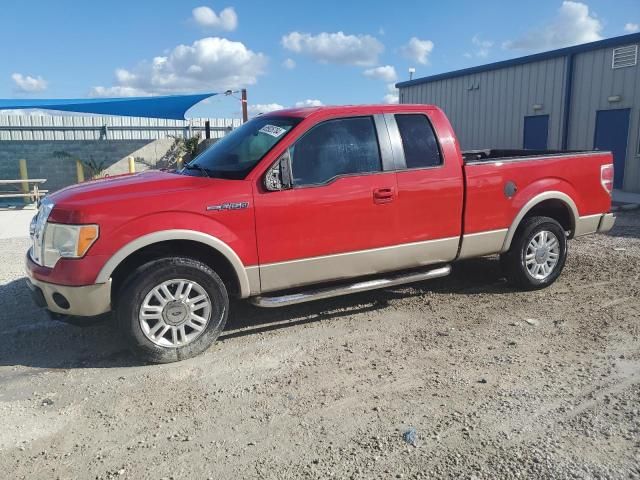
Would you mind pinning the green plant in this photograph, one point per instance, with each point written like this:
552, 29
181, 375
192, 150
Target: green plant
182, 149
94, 168
191, 145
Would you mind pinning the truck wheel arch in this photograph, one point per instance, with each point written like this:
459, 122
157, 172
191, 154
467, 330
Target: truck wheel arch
536, 201
248, 281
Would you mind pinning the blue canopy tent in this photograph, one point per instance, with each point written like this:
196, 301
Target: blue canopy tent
171, 106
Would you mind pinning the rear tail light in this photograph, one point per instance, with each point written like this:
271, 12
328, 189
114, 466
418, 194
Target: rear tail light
606, 177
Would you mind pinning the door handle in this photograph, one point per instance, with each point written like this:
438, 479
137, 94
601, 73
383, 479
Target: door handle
383, 195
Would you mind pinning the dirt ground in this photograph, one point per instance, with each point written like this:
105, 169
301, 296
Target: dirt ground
491, 382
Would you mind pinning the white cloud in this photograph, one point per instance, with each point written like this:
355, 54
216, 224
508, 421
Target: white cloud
360, 50
573, 24
209, 64
386, 73
289, 64
118, 91
260, 108
309, 103
25, 111
631, 27
482, 46
392, 95
206, 17
28, 84
418, 50
391, 98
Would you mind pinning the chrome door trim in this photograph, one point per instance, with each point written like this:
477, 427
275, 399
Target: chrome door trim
384, 143
396, 141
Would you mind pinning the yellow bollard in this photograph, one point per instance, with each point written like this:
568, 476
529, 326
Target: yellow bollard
179, 163
79, 171
132, 165
24, 175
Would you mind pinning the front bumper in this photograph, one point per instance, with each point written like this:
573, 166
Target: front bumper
84, 301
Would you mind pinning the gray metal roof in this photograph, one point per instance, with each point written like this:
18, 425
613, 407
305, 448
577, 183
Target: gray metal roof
585, 47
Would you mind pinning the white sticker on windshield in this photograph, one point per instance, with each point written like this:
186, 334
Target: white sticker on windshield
272, 130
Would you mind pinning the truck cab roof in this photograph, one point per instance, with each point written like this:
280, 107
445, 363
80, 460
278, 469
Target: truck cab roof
338, 110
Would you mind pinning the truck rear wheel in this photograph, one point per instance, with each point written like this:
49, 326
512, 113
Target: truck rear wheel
537, 255
172, 309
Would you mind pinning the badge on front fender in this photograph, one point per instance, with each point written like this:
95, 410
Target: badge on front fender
228, 206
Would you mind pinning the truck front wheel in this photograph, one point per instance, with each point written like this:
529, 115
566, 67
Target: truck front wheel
172, 309
537, 255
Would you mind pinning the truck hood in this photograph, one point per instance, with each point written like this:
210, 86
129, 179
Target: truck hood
129, 185
140, 194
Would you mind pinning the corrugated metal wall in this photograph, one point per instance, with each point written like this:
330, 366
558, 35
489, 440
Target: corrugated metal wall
594, 81
58, 127
487, 109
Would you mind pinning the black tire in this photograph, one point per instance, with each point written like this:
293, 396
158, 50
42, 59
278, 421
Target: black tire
513, 262
144, 279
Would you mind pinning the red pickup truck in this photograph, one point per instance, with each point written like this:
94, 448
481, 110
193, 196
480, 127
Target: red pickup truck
304, 204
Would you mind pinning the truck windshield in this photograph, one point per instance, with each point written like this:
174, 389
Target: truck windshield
235, 155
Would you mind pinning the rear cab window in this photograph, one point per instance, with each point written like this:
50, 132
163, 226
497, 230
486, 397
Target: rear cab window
344, 146
421, 149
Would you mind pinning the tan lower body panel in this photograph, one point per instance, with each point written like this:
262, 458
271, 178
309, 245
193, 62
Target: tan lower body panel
295, 273
253, 274
587, 225
606, 222
483, 243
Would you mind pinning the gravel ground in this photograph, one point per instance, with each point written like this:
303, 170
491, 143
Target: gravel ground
457, 378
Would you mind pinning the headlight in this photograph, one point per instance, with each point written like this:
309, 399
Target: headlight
36, 229
67, 241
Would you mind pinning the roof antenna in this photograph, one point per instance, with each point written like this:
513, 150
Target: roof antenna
412, 70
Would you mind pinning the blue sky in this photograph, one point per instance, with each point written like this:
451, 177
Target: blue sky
285, 52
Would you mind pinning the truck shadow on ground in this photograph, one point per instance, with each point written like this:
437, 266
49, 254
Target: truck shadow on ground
474, 276
29, 338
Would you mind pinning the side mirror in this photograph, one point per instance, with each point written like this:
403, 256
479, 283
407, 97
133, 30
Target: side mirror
278, 177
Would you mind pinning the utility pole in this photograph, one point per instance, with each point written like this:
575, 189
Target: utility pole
245, 115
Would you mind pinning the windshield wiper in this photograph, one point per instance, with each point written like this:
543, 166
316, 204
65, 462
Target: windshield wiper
195, 166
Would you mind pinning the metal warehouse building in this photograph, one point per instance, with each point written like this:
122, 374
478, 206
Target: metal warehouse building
577, 98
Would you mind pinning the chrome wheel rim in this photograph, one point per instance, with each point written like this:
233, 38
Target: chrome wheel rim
542, 254
175, 313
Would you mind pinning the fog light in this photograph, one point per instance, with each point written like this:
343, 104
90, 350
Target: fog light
61, 301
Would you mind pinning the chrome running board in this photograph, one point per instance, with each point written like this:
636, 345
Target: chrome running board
335, 291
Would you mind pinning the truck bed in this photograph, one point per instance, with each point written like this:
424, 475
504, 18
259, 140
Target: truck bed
500, 182
485, 155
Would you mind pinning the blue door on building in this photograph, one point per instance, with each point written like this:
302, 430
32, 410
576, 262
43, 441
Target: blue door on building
536, 132
612, 132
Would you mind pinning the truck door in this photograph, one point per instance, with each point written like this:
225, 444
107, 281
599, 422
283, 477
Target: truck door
430, 185
339, 217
